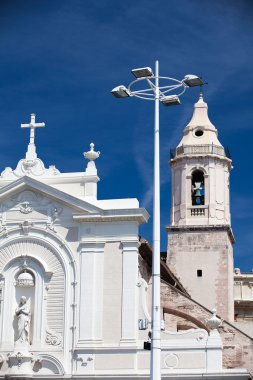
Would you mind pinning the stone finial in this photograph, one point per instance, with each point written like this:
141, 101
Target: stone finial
91, 172
214, 322
91, 155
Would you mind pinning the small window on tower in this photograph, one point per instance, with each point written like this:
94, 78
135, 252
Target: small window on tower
198, 188
199, 272
199, 133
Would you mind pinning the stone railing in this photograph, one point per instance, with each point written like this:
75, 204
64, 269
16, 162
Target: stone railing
198, 211
201, 149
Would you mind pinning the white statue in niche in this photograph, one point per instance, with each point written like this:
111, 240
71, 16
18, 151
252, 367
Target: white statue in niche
23, 314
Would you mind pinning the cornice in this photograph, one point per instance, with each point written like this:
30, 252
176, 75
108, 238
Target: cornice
139, 215
198, 156
219, 227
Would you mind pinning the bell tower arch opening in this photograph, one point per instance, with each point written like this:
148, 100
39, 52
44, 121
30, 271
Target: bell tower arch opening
198, 188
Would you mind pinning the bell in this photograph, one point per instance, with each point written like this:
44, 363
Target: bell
198, 200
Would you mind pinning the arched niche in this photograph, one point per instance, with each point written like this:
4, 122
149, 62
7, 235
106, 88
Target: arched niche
49, 315
35, 296
57, 262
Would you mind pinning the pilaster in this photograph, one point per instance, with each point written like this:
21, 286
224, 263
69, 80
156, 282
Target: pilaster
129, 322
91, 293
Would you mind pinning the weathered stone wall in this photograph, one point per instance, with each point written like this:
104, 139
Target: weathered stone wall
208, 250
144, 270
237, 347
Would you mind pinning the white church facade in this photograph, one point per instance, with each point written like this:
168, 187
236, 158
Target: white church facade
75, 279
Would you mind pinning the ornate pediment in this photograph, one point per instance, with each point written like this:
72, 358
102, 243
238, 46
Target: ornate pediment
27, 193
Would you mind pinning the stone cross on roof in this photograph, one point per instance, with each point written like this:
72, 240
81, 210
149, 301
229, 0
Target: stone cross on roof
31, 150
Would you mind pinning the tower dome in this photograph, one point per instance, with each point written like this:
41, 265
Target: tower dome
200, 130
200, 136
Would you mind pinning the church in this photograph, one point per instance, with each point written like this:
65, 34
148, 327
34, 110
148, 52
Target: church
75, 276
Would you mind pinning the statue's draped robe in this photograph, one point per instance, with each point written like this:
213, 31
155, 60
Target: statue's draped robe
22, 313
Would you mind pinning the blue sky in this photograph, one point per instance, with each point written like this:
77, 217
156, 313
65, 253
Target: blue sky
61, 58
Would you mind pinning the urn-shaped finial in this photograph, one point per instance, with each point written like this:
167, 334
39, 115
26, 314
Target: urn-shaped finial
214, 322
91, 155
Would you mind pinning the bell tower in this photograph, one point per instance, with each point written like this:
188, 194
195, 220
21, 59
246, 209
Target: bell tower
200, 239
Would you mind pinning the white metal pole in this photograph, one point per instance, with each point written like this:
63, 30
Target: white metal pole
155, 365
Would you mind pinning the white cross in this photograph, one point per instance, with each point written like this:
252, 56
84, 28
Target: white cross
31, 151
32, 127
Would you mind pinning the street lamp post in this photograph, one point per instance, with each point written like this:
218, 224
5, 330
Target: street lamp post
154, 91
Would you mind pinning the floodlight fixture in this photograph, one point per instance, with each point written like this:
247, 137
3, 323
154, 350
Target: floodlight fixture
120, 91
171, 100
142, 72
192, 80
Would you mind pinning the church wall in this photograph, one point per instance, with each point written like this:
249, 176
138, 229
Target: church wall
76, 189
211, 253
108, 295
245, 324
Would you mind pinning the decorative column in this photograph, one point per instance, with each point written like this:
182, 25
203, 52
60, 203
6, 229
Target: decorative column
91, 293
129, 319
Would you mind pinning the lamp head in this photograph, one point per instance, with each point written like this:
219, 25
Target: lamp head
142, 72
120, 91
171, 100
192, 80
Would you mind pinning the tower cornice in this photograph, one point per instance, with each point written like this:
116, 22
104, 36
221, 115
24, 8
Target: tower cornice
209, 228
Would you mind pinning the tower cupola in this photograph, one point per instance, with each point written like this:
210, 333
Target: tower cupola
200, 174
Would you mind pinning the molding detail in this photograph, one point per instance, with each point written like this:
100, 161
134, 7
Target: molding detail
26, 227
55, 213
171, 361
144, 287
33, 167
25, 208
53, 363
53, 338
